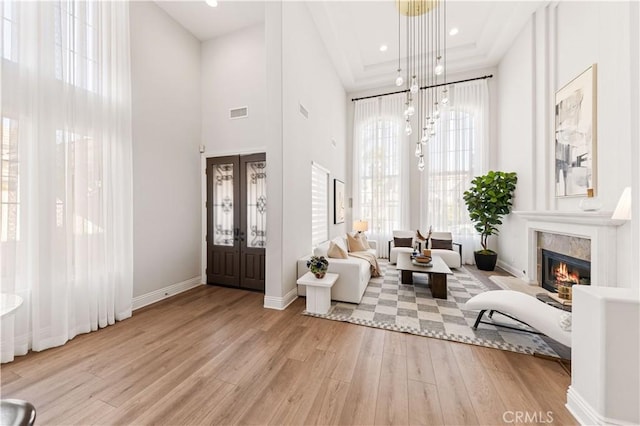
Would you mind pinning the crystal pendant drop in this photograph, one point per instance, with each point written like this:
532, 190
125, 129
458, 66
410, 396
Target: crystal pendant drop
421, 163
407, 129
425, 136
445, 96
414, 85
399, 79
418, 149
439, 69
411, 110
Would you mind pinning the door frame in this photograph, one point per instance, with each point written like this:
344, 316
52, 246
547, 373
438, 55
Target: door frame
203, 201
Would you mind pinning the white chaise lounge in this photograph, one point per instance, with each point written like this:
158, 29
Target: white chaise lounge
525, 308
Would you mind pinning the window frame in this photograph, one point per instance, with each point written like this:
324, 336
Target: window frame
319, 193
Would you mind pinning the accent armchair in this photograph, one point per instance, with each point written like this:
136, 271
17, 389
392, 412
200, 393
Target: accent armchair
393, 250
442, 245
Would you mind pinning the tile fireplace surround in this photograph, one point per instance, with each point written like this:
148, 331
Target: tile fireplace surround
597, 227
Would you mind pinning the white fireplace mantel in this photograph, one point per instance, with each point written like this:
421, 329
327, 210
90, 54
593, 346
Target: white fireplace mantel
583, 218
598, 227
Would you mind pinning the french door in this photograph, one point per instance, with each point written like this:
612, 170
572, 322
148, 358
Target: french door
236, 221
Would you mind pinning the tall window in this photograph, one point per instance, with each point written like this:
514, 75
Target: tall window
9, 181
65, 171
319, 204
380, 157
9, 31
453, 158
76, 41
449, 172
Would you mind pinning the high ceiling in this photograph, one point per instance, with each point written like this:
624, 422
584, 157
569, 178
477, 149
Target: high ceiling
353, 31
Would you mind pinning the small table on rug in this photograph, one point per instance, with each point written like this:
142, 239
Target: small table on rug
437, 271
318, 291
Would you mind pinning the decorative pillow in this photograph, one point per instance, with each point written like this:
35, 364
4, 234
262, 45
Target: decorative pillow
342, 243
402, 242
441, 244
565, 321
336, 252
355, 244
363, 239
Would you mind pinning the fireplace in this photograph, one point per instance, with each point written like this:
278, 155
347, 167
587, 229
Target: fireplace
564, 270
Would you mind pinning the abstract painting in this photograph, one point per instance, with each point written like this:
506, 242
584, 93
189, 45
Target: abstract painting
575, 135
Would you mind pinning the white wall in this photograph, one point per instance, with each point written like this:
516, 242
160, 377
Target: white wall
560, 41
308, 78
165, 68
516, 140
234, 75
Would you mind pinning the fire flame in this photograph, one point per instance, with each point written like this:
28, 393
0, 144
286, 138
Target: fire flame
562, 274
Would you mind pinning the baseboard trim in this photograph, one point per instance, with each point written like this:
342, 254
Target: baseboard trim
585, 414
165, 292
510, 269
281, 303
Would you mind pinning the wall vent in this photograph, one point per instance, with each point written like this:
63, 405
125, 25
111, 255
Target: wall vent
304, 111
241, 112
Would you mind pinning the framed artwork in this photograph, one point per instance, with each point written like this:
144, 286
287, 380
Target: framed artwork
575, 135
338, 201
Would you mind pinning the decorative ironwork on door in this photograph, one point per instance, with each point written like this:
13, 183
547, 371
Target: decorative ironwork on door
256, 204
223, 205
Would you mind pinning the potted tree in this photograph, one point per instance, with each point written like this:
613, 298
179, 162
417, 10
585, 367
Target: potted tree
488, 199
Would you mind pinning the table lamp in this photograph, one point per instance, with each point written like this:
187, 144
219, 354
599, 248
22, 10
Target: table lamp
360, 226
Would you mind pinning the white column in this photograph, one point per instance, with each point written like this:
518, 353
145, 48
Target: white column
605, 356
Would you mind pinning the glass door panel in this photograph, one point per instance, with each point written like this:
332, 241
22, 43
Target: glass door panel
223, 205
256, 208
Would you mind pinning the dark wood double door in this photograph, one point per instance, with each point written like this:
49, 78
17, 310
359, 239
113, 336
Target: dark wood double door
236, 221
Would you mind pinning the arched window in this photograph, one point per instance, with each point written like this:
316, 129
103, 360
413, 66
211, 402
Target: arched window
453, 157
380, 155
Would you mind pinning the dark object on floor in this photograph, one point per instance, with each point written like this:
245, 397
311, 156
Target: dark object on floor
15, 412
486, 262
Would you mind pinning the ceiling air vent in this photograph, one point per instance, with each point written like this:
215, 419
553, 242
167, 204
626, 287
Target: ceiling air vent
242, 112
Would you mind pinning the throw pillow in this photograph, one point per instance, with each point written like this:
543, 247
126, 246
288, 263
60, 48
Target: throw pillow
336, 252
363, 238
342, 243
355, 244
402, 242
441, 244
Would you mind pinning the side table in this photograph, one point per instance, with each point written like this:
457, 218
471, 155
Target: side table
318, 291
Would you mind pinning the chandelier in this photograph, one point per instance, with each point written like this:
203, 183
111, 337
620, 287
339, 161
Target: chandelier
425, 67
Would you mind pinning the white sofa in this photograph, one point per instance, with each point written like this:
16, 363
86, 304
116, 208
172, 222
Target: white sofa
354, 273
452, 258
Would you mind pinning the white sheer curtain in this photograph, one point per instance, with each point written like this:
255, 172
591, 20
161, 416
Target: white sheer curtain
458, 152
380, 168
66, 218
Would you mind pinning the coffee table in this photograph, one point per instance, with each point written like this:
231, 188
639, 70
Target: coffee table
437, 272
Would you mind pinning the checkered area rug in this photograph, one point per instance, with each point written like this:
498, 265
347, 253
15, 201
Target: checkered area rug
391, 305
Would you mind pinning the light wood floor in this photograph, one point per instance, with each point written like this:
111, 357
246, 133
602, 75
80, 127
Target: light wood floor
215, 356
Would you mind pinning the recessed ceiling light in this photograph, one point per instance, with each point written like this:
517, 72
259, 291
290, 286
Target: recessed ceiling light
212, 3
383, 47
453, 31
